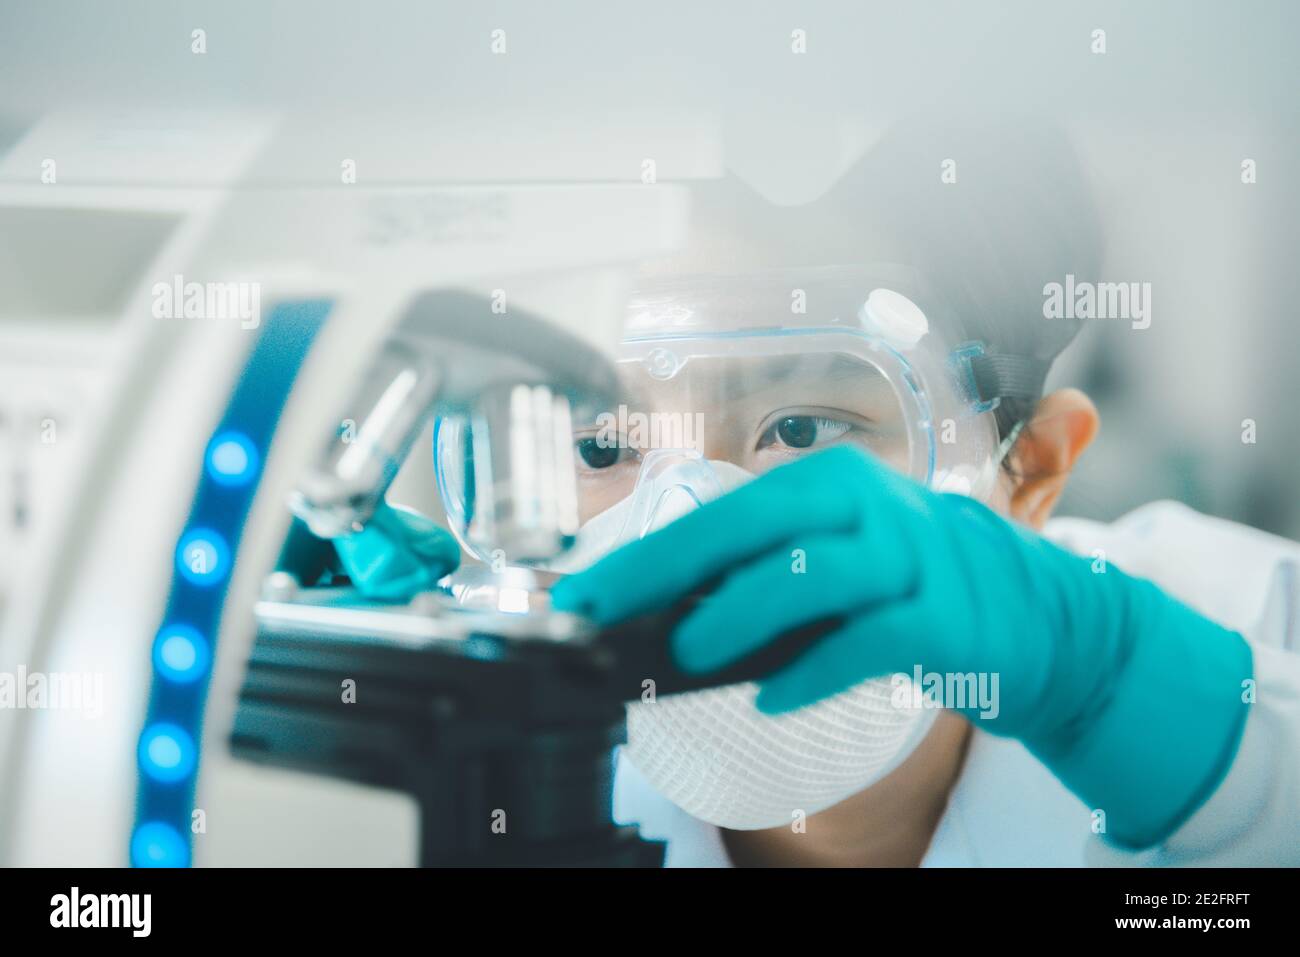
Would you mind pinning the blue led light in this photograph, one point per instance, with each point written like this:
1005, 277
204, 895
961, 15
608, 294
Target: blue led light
232, 459
155, 844
181, 654
183, 650
167, 752
203, 557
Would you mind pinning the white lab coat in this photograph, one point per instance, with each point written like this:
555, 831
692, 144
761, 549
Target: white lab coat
1008, 810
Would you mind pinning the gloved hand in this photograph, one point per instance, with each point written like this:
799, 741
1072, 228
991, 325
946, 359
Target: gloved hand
1131, 699
398, 554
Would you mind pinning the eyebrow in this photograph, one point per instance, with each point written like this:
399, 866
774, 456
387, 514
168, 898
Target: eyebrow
782, 370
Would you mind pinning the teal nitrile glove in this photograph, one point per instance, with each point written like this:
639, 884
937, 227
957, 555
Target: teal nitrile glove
1131, 699
399, 554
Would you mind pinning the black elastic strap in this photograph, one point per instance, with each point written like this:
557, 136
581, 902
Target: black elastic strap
1008, 376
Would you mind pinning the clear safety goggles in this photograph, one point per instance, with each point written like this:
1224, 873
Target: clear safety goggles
760, 371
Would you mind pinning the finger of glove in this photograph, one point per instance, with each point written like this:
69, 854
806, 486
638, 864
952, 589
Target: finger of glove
819, 578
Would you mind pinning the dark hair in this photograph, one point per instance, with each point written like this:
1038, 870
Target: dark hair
1018, 215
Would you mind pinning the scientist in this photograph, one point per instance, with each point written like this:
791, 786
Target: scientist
990, 687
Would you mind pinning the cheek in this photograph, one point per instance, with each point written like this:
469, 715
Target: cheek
600, 489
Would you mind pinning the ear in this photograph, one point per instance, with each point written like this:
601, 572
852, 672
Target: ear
1064, 424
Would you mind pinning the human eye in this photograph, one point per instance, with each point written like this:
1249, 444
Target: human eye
797, 433
600, 451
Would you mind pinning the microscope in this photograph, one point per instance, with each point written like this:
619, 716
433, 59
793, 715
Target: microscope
498, 715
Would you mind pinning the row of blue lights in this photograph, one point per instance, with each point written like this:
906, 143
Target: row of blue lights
167, 753
182, 655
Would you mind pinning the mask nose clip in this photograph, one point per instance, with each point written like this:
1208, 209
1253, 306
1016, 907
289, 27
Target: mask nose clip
671, 483
675, 501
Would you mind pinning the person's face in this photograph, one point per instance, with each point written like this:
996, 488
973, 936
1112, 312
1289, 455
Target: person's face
759, 413
756, 413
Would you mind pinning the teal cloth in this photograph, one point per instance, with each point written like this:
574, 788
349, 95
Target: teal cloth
398, 554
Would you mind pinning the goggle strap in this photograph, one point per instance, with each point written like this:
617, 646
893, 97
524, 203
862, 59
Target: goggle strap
1009, 443
1008, 376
